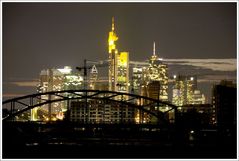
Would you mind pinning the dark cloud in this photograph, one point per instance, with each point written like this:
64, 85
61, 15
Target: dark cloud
213, 64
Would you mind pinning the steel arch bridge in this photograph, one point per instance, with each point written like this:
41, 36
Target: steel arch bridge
150, 106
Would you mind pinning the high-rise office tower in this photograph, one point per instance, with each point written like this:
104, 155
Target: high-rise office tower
185, 91
93, 77
55, 80
153, 83
178, 91
190, 87
118, 64
137, 76
113, 55
158, 71
50, 80
72, 81
123, 72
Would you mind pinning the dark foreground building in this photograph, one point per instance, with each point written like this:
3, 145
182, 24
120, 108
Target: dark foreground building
224, 102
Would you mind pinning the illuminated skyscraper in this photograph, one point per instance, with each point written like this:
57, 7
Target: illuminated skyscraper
113, 55
55, 80
151, 81
123, 72
118, 64
72, 81
179, 93
158, 71
190, 87
50, 80
93, 77
185, 91
137, 76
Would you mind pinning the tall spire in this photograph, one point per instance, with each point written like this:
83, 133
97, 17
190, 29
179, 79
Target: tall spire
154, 49
112, 38
113, 24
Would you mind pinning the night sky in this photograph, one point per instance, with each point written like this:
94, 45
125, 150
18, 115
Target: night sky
38, 36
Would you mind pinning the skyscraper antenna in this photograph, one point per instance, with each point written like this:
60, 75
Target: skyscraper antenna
154, 49
113, 24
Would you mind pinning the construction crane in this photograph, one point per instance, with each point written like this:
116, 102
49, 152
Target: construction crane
102, 63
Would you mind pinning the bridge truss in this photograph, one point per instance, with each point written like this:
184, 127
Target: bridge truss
143, 105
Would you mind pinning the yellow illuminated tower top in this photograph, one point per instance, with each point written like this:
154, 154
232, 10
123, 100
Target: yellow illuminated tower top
112, 38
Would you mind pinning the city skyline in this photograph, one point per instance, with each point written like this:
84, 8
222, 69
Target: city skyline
119, 80
56, 31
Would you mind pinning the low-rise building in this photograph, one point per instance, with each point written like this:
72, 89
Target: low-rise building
101, 111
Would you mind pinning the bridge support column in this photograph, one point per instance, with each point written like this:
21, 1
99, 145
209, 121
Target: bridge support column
49, 108
140, 111
87, 111
33, 111
141, 116
68, 112
121, 109
12, 109
175, 115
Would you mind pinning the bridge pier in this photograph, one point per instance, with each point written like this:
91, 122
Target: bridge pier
12, 109
49, 107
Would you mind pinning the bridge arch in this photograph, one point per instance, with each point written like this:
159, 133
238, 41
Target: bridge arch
141, 103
